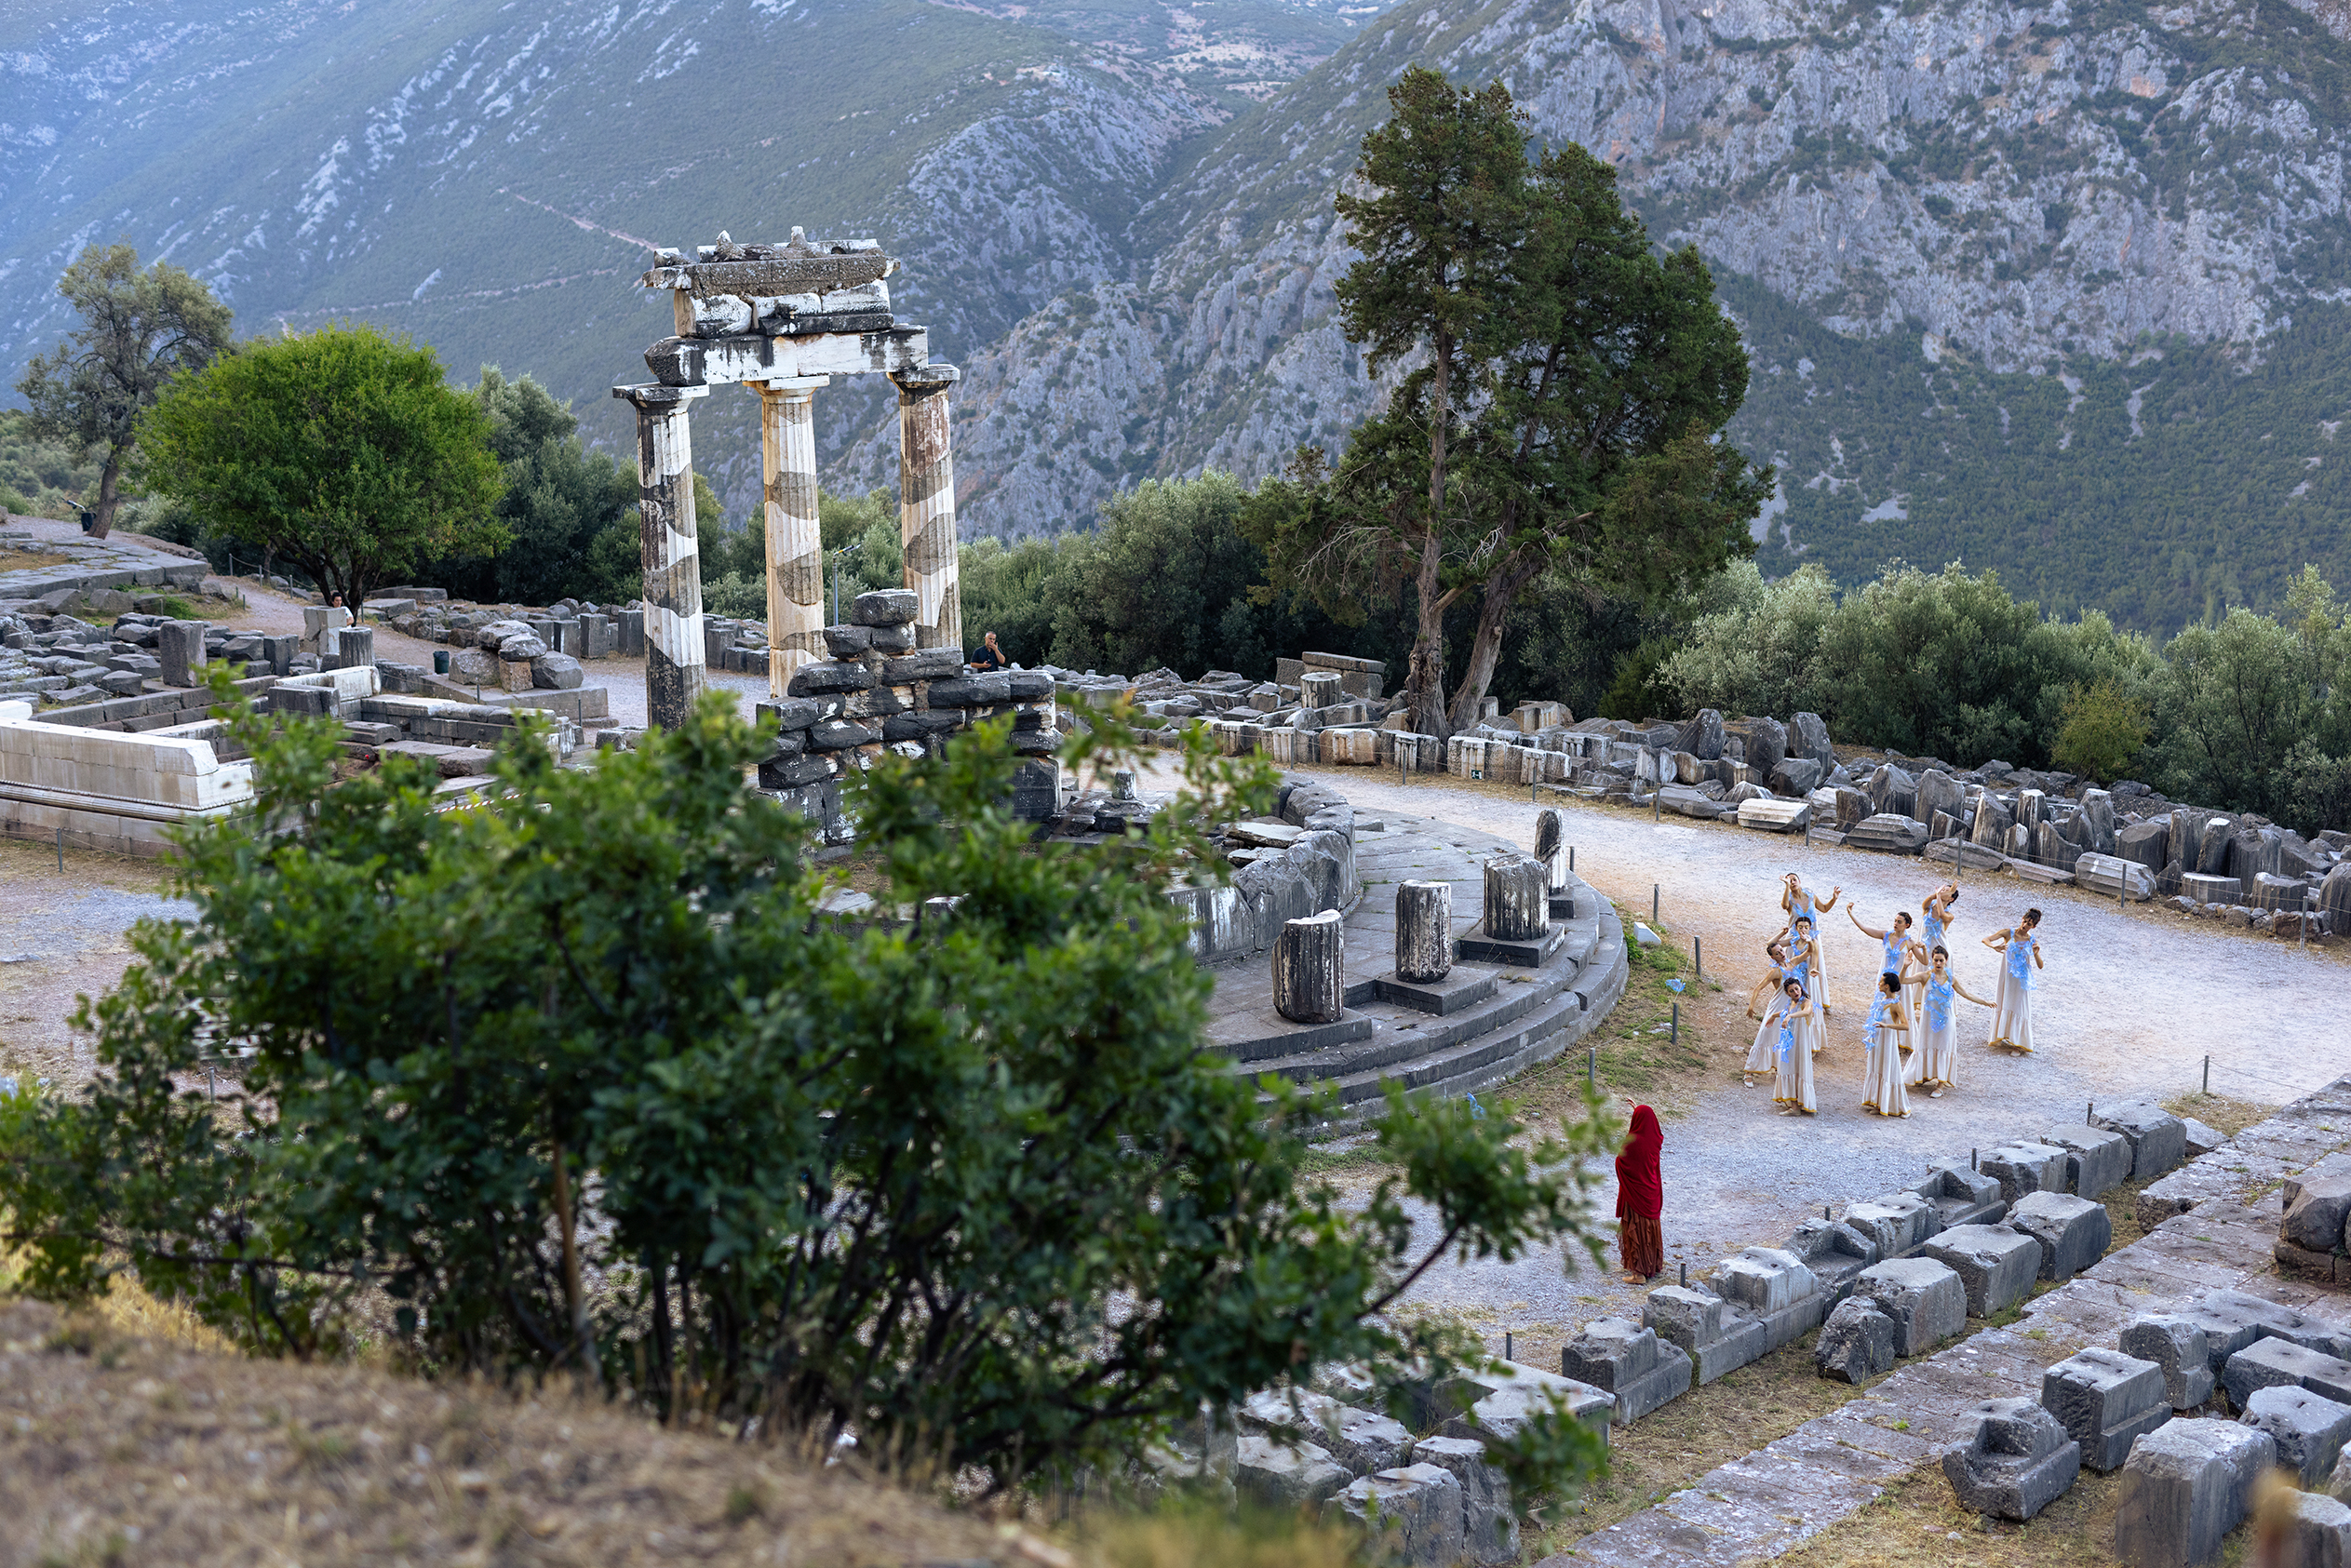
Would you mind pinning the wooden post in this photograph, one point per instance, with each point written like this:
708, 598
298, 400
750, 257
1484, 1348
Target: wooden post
1424, 931
1309, 969
1517, 902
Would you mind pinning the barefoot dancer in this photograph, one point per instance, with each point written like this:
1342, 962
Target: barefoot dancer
1798, 1025
1892, 941
1939, 1050
2012, 1014
1796, 898
1760, 1056
1889, 1032
1641, 1200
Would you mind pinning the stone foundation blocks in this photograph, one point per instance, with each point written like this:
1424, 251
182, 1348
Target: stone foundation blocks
2105, 1400
2318, 1533
2309, 1430
1499, 1404
1413, 1514
1626, 1359
1778, 1288
2314, 1218
2073, 1232
1996, 1264
2270, 1363
2023, 1167
2184, 1487
1715, 1335
1286, 1473
2158, 1139
2016, 1462
1897, 1222
1961, 1196
1836, 1253
1926, 1299
1359, 1440
1856, 1342
1490, 1524
2096, 1158
2177, 1345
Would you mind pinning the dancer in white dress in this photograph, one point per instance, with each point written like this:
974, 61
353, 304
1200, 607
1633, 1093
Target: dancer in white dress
1796, 898
2020, 950
1938, 1052
1799, 1020
1802, 964
1888, 1031
1893, 943
1763, 1056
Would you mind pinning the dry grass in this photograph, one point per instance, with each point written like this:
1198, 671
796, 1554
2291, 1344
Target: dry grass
33, 560
1918, 1523
2224, 1115
1191, 1538
115, 1448
1670, 1448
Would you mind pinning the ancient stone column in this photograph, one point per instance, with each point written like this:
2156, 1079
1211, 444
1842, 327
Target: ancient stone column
1551, 850
1309, 969
795, 549
926, 502
1517, 903
674, 659
180, 649
1424, 931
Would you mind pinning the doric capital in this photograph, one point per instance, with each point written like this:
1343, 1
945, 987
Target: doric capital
651, 397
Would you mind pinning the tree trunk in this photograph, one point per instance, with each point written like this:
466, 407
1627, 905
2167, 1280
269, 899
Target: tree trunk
1428, 648
1500, 593
108, 493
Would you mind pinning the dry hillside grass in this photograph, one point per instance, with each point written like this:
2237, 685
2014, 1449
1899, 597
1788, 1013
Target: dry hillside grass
122, 1448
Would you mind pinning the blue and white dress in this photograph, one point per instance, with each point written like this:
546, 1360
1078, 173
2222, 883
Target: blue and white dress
2012, 1013
1938, 1054
1882, 1089
1763, 1056
1800, 909
1794, 1050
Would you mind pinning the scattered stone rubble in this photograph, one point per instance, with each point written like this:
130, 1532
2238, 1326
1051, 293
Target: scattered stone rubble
2050, 827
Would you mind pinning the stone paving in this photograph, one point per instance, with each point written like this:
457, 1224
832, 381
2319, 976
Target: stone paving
1788, 1491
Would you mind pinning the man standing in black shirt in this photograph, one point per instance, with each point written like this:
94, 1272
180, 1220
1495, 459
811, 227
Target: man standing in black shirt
989, 657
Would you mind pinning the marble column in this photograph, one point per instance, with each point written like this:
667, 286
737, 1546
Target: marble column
926, 502
795, 547
674, 669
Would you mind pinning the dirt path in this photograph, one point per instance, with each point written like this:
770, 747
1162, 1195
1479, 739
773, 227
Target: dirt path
64, 935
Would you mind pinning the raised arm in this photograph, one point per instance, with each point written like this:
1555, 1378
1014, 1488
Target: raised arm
1830, 902
1858, 926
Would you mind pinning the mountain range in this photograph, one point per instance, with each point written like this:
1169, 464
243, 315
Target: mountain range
2056, 288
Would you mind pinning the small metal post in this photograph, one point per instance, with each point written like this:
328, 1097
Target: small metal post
1674, 1034
1591, 1069
2208, 1073
60, 849
2089, 1114
1697, 956
1686, 1275
1653, 903
1509, 1348
1972, 1160
1571, 857
1825, 1211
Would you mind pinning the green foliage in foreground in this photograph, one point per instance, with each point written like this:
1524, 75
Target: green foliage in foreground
583, 1079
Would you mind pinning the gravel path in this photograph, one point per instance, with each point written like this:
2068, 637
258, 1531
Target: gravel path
2130, 1006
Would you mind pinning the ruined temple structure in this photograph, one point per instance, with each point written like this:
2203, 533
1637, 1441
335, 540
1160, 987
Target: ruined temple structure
783, 320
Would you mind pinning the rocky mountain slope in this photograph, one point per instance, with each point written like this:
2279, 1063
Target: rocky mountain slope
2047, 286
2006, 272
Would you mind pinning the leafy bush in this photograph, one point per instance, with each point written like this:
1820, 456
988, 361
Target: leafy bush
2102, 731
583, 1080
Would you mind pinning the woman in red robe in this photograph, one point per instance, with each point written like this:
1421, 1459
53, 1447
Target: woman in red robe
1641, 1199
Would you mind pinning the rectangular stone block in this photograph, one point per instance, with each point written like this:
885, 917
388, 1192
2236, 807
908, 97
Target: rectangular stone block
1779, 1288
2251, 1318
1923, 1295
1962, 1195
1836, 1253
2021, 1168
2269, 1363
2176, 1344
2158, 1139
2096, 1158
2308, 1429
1413, 1513
1627, 1360
2184, 1487
1480, 1403
1898, 1222
2073, 1232
1716, 1336
1489, 1521
1996, 1264
2016, 1460
2105, 1400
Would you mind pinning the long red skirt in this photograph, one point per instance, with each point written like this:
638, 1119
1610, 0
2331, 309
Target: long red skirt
1641, 1242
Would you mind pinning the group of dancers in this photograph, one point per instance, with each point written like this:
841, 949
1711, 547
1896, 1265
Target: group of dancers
1912, 1034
